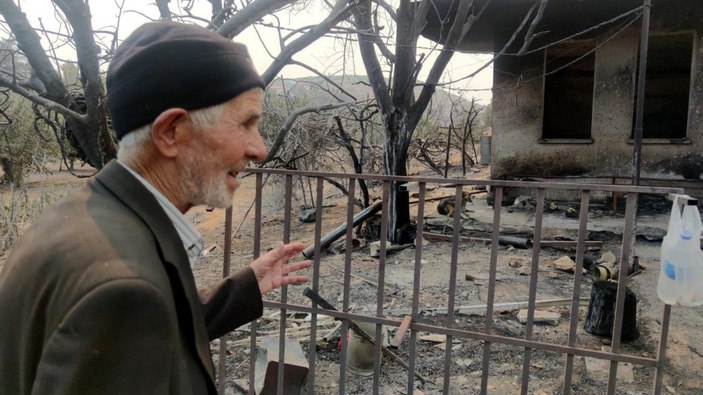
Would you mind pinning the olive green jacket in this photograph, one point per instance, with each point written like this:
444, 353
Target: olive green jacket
98, 297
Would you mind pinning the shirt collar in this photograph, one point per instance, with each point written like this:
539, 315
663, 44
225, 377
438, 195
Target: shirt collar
190, 237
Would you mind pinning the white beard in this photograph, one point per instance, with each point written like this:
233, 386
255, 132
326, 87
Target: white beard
202, 189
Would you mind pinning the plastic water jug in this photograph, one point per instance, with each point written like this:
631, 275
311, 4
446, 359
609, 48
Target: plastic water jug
681, 274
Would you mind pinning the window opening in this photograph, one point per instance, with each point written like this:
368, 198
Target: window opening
568, 92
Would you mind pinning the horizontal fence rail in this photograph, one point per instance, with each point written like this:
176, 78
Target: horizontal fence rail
288, 302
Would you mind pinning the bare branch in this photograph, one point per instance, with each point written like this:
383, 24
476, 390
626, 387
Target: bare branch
325, 77
250, 14
218, 15
164, 11
389, 9
28, 41
385, 51
636, 11
362, 20
529, 35
339, 13
324, 89
49, 104
343, 189
278, 141
457, 32
519, 29
115, 34
345, 140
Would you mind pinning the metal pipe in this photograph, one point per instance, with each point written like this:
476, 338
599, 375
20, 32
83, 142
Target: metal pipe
347, 287
661, 351
330, 237
456, 226
476, 182
416, 287
639, 106
518, 242
222, 361
534, 273
497, 205
256, 253
574, 314
284, 289
315, 284
627, 238
381, 290
604, 272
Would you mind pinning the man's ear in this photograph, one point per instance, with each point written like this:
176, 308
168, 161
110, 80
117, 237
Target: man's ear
168, 129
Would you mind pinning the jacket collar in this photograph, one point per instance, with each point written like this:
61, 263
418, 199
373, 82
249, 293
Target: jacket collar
134, 195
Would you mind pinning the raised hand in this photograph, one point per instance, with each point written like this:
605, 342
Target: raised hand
272, 270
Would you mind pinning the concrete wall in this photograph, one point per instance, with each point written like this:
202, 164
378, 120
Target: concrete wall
517, 120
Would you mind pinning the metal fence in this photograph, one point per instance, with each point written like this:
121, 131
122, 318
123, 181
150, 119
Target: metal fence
526, 344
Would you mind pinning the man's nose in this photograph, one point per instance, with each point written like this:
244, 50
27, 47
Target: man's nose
256, 150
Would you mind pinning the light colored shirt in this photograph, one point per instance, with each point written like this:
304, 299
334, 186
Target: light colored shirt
190, 237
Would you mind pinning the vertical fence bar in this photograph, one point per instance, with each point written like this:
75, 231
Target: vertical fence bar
639, 104
347, 285
381, 290
497, 205
456, 230
576, 295
627, 238
412, 341
534, 269
661, 351
284, 289
222, 360
312, 349
257, 251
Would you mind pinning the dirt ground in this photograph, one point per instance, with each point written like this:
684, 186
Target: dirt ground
685, 347
685, 352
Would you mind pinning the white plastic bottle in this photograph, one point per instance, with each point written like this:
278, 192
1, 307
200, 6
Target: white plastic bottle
667, 287
682, 263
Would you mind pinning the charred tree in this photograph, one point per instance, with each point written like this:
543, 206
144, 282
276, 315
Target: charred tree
399, 108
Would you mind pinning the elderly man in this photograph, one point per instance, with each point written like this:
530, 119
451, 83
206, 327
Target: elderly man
99, 297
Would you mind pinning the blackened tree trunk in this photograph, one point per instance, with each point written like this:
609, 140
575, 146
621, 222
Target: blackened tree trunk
601, 311
399, 108
395, 155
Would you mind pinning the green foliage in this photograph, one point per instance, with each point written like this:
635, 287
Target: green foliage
22, 143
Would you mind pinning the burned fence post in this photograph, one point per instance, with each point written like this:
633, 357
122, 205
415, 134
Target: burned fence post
601, 311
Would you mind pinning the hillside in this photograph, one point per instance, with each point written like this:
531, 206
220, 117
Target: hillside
316, 91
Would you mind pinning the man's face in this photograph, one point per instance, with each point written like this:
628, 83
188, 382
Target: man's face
220, 151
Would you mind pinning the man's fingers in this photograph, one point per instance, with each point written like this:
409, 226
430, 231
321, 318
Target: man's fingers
282, 252
285, 251
295, 266
293, 280
293, 249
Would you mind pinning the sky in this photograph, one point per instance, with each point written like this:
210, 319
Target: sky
327, 55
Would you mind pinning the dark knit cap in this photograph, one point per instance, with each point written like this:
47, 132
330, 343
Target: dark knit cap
163, 65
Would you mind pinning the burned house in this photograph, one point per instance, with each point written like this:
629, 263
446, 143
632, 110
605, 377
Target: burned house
565, 88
